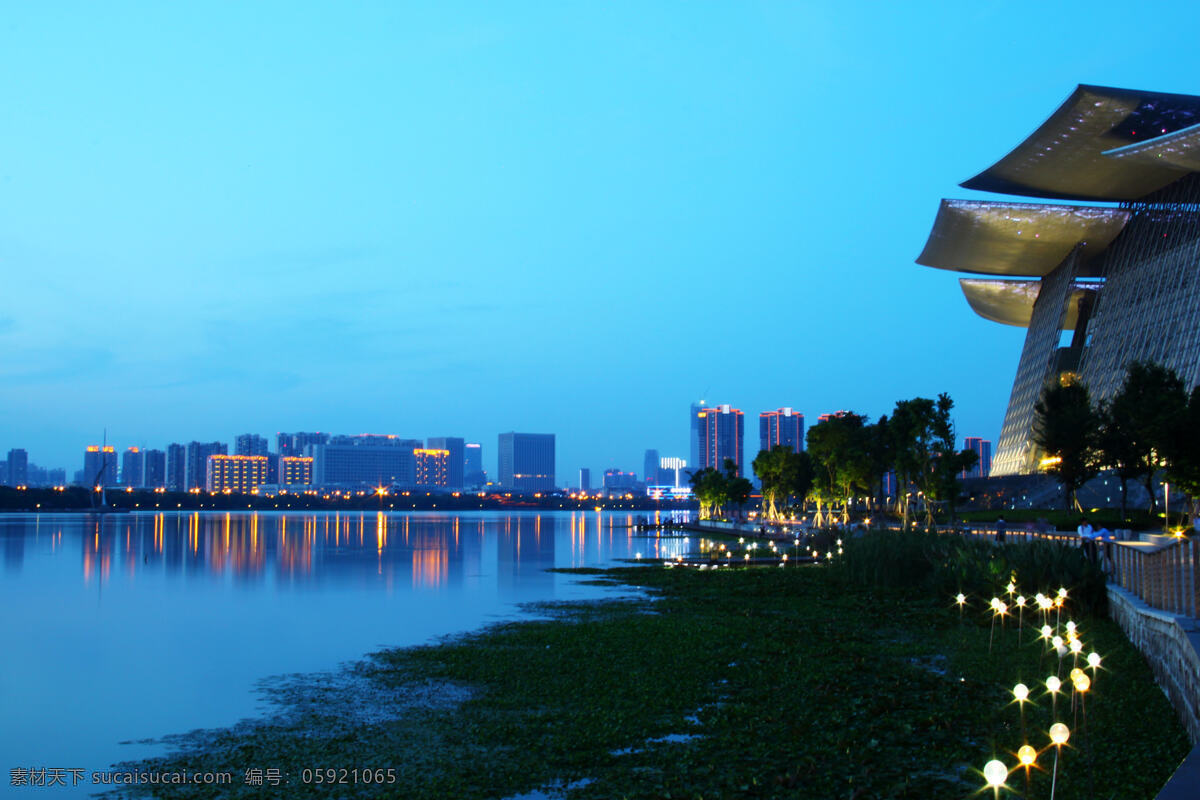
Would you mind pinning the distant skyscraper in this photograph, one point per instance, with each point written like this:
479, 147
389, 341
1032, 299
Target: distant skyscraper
155, 466
650, 466
294, 444
295, 470
251, 444
696, 434
616, 480
473, 474
176, 467
456, 466
196, 462
357, 464
585, 479
432, 467
243, 474
983, 449
100, 465
721, 430
18, 467
781, 427
526, 461
133, 468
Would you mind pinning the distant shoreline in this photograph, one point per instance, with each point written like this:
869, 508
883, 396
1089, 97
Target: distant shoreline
76, 499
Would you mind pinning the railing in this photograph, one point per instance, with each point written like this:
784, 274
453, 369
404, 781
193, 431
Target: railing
1163, 576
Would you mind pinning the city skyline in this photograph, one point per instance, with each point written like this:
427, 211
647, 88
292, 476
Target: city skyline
386, 219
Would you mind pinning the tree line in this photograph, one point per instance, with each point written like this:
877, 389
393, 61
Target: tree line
1151, 425
846, 461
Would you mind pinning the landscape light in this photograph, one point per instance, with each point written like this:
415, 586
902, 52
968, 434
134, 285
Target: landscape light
1053, 683
994, 772
1021, 692
1083, 683
1093, 660
1046, 632
1026, 755
1057, 641
1076, 646
1075, 673
1059, 733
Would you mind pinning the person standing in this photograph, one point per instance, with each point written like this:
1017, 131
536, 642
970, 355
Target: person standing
1001, 528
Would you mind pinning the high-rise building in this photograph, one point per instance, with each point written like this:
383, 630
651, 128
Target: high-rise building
243, 474
155, 466
432, 467
526, 461
196, 462
251, 444
473, 474
295, 444
617, 481
1096, 287
176, 467
359, 465
18, 468
721, 429
783, 426
585, 479
295, 470
100, 465
983, 449
696, 433
133, 468
650, 466
456, 466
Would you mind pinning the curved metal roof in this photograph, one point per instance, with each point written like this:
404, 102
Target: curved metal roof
1179, 149
1064, 158
1016, 238
1011, 302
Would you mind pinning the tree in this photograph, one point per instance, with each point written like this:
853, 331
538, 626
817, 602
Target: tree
737, 488
710, 488
1144, 415
1064, 427
1118, 450
840, 448
921, 440
941, 482
784, 473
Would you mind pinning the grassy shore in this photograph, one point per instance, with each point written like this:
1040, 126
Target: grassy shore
762, 682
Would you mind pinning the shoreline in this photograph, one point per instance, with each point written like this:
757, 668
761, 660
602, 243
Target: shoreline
739, 682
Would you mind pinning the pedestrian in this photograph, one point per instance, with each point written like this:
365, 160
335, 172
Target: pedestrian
1001, 527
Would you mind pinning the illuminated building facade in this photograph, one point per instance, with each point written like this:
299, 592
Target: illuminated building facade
671, 472
100, 465
983, 449
526, 461
432, 467
650, 466
721, 435
783, 426
133, 468
1096, 287
617, 481
295, 444
296, 470
695, 432
456, 466
242, 474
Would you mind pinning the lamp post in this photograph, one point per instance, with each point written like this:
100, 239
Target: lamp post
1059, 734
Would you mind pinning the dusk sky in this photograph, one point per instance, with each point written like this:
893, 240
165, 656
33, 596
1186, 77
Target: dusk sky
463, 219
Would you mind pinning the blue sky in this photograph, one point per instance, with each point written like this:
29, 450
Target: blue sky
468, 218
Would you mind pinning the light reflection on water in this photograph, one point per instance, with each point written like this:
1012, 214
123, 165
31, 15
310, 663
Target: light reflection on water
127, 626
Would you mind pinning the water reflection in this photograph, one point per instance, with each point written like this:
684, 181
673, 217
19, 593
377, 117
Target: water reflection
424, 551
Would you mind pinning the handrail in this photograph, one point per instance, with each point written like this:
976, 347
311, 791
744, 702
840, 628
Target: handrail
1162, 576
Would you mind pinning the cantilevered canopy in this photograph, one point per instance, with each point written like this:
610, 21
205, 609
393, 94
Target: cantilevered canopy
1011, 302
1064, 158
1179, 149
1016, 238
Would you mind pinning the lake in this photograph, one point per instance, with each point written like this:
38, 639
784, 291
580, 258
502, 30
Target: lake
128, 627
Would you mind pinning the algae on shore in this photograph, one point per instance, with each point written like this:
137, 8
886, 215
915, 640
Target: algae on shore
735, 682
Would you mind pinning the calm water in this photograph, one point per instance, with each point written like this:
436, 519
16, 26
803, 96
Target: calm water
128, 626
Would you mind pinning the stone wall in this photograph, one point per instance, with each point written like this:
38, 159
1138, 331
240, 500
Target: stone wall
1171, 645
